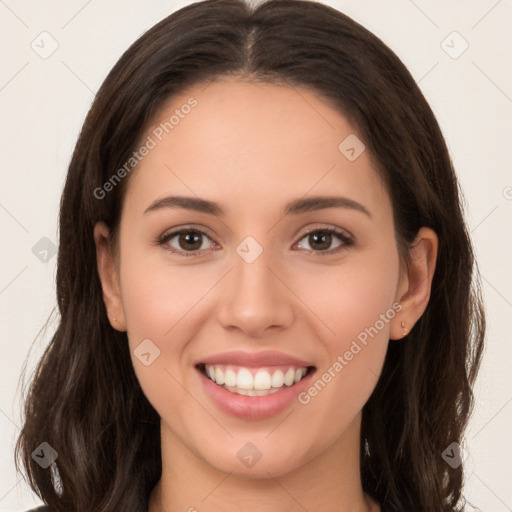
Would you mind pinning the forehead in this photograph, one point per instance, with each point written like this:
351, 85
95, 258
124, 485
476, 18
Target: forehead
244, 144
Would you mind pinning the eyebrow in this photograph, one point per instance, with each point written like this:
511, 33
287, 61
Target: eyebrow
295, 207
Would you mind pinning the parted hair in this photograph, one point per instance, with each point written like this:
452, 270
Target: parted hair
84, 399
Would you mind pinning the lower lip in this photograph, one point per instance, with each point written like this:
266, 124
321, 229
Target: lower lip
254, 407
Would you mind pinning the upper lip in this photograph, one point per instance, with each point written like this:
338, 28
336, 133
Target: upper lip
255, 359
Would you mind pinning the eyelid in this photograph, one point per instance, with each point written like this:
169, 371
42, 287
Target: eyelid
339, 231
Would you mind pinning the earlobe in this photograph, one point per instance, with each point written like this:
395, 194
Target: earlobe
108, 277
415, 295
399, 326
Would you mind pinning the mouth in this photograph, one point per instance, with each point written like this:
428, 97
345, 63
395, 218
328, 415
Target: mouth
254, 385
255, 382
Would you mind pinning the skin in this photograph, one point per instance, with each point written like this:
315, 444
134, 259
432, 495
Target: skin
252, 148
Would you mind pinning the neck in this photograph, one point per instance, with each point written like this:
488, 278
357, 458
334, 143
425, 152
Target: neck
329, 481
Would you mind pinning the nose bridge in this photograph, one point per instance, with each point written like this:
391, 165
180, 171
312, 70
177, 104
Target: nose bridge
255, 299
252, 276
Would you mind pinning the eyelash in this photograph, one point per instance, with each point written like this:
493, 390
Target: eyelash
344, 238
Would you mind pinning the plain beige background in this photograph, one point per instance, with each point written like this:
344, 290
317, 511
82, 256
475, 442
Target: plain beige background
458, 51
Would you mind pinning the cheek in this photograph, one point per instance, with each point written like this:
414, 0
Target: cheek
351, 297
158, 303
158, 296
355, 301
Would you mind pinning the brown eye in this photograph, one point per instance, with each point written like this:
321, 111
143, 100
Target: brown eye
189, 241
321, 240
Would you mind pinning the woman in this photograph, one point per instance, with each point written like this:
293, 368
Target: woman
264, 278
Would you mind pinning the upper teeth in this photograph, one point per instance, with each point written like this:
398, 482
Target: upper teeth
244, 378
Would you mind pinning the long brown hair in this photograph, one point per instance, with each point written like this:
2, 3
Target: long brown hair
84, 399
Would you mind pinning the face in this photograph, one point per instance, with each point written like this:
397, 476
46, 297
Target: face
314, 289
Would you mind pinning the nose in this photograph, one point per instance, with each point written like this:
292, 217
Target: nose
256, 298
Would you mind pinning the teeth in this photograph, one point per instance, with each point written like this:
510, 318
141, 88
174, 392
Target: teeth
230, 378
242, 381
262, 380
219, 376
289, 377
251, 392
277, 379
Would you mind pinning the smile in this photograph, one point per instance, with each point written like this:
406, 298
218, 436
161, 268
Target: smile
254, 381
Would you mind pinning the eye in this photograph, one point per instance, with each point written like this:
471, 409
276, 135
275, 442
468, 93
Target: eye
192, 241
320, 240
189, 241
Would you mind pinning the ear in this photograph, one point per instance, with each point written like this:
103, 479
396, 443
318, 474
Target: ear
109, 277
416, 282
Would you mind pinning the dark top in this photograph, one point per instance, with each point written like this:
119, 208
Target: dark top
44, 508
